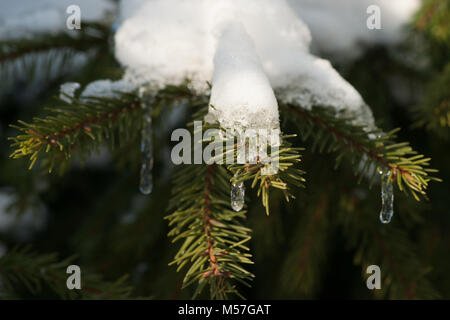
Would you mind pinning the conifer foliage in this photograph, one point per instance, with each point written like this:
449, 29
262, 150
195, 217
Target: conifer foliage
184, 239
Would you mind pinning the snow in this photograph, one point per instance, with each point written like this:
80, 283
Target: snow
162, 42
339, 28
165, 42
245, 48
68, 89
27, 17
241, 94
106, 89
309, 81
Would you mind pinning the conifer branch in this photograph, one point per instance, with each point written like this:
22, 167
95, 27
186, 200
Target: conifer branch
90, 36
332, 132
81, 126
433, 112
287, 176
213, 236
432, 20
23, 268
307, 250
45, 55
403, 275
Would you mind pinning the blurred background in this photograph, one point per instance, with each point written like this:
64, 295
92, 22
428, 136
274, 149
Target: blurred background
305, 249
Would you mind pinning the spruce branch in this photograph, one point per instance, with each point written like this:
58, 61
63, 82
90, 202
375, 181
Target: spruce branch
79, 126
214, 238
91, 35
333, 132
307, 249
433, 112
213, 235
432, 20
403, 274
22, 267
287, 176
49, 53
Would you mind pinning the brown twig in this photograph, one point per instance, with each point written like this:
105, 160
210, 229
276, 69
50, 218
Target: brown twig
350, 142
215, 270
85, 125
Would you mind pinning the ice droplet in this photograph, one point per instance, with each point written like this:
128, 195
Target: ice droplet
237, 196
146, 177
387, 196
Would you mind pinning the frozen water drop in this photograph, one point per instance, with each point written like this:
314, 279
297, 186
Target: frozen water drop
237, 196
387, 197
146, 181
146, 176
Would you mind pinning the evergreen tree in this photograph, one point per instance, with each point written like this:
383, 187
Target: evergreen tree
308, 231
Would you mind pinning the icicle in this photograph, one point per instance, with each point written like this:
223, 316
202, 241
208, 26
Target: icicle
146, 177
387, 196
237, 195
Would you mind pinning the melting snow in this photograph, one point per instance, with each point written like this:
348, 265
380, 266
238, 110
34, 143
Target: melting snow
245, 48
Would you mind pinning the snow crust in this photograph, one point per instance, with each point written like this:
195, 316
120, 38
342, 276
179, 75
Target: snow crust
165, 42
241, 94
339, 27
245, 48
24, 18
69, 89
106, 88
168, 41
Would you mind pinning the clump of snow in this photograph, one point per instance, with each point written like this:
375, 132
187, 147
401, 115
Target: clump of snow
106, 89
68, 89
25, 18
339, 27
28, 18
309, 81
241, 94
165, 42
